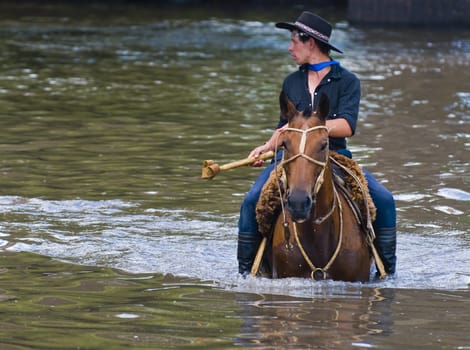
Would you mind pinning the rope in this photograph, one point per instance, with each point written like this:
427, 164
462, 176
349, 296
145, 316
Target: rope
318, 221
371, 233
322, 270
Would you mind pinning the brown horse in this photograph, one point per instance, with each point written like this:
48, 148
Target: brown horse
317, 234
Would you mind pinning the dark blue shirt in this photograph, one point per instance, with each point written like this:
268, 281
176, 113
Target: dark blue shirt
343, 89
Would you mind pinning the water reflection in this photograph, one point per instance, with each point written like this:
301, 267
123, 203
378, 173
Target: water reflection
112, 308
322, 322
89, 307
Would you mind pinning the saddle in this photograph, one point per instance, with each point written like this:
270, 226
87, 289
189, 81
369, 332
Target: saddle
348, 179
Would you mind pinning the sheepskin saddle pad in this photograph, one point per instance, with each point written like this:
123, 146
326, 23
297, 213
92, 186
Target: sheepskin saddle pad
350, 181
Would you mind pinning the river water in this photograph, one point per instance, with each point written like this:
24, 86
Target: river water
110, 240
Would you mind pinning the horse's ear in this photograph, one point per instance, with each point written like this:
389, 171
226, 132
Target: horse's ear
287, 107
323, 107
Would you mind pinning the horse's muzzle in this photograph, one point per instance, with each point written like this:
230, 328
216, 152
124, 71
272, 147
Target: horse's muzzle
299, 204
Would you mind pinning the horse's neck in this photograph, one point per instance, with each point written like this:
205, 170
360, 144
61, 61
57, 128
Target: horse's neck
325, 199
323, 217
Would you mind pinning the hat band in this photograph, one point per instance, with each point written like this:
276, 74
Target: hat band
311, 31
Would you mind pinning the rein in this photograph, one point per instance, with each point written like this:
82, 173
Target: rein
317, 272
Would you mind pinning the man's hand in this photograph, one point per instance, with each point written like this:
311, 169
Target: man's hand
271, 145
257, 152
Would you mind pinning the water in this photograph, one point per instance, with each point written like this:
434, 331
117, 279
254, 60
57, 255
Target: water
109, 239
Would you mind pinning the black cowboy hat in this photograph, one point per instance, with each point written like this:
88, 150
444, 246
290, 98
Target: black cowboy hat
312, 25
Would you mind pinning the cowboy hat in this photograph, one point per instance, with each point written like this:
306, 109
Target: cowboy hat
313, 25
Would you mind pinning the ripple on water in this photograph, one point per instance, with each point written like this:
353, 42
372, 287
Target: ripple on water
448, 210
454, 193
198, 245
409, 197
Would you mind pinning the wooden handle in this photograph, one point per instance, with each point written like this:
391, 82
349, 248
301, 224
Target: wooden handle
258, 257
210, 169
247, 161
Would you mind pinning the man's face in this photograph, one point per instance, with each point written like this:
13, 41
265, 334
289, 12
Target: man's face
299, 50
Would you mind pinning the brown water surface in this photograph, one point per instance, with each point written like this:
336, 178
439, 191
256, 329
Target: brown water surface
109, 239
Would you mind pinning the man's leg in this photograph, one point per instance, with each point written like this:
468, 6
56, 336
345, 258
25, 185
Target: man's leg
248, 235
385, 223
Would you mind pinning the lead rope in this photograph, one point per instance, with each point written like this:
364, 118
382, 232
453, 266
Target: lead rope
259, 254
285, 224
322, 270
371, 236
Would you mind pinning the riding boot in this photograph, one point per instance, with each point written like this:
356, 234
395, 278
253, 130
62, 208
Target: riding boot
247, 247
386, 243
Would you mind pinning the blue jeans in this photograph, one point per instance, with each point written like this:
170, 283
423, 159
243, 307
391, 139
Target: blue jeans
383, 200
386, 216
247, 222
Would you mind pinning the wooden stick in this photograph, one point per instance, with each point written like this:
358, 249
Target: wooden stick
210, 169
378, 262
259, 256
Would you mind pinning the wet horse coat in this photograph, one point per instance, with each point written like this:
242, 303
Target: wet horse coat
317, 234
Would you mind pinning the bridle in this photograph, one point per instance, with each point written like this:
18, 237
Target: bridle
303, 142
317, 272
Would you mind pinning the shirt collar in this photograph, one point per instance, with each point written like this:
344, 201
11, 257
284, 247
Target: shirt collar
334, 73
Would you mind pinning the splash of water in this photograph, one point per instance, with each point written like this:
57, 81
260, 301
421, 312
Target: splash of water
183, 243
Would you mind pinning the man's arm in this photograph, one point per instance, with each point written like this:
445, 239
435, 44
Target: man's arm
339, 127
271, 145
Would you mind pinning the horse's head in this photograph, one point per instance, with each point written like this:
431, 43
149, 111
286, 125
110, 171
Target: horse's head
305, 144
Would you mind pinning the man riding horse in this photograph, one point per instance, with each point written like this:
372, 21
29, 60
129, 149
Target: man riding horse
318, 73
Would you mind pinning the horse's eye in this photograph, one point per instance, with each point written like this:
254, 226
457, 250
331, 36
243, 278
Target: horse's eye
324, 145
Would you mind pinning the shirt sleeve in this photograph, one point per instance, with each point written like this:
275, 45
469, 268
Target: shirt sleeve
293, 87
348, 106
282, 118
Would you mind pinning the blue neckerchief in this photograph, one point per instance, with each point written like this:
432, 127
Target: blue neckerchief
319, 66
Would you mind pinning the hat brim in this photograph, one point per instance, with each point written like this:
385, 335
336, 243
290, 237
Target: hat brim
292, 26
